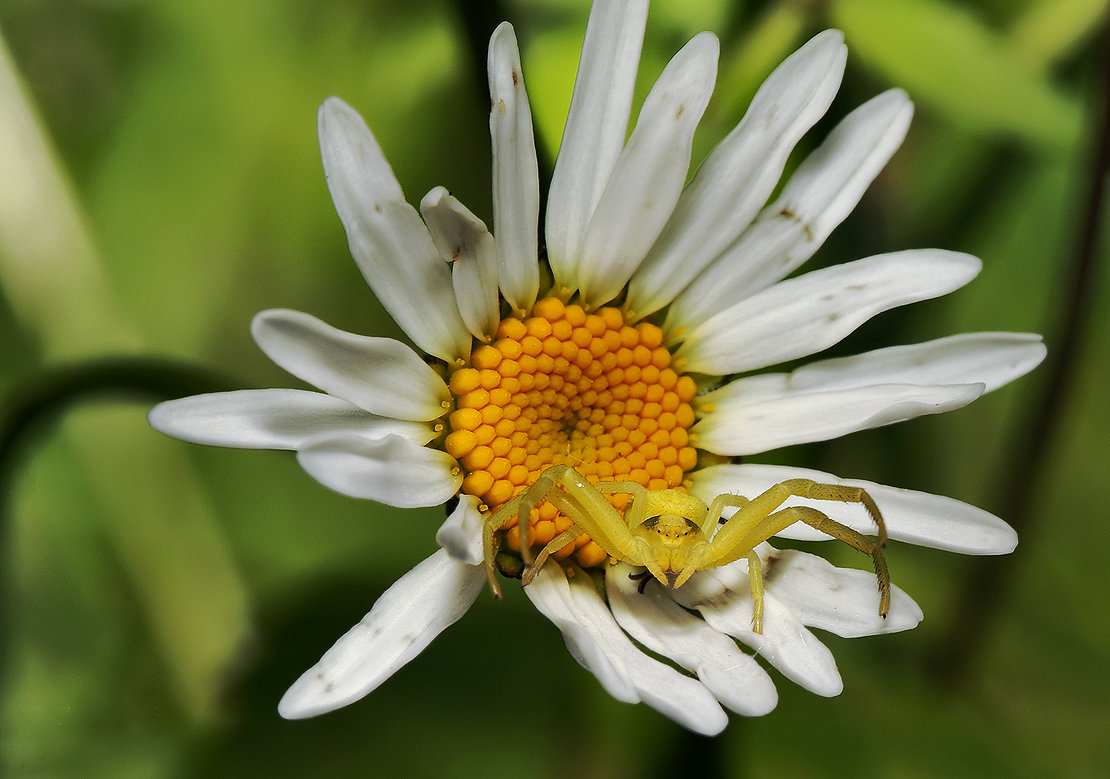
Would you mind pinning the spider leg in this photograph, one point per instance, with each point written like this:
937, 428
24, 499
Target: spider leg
846, 494
543, 489
728, 539
581, 502
635, 513
780, 520
569, 506
491, 543
856, 540
595, 515
758, 519
717, 507
591, 511
553, 546
755, 581
520, 505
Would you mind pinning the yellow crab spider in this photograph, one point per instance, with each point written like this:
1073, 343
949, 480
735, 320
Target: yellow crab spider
674, 534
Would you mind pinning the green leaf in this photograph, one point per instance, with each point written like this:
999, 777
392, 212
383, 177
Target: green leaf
1049, 29
954, 64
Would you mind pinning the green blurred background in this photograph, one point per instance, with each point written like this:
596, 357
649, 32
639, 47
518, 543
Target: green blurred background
159, 597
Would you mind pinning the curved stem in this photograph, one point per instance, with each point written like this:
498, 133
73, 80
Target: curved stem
32, 407
985, 588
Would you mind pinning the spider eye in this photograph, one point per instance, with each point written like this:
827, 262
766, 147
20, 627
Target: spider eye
652, 521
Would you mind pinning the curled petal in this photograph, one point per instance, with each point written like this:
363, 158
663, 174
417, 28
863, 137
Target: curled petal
723, 597
803, 315
461, 533
464, 241
656, 621
597, 643
387, 239
274, 419
516, 178
389, 470
406, 618
380, 375
595, 130
917, 517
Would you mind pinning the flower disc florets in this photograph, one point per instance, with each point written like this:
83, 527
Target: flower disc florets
563, 386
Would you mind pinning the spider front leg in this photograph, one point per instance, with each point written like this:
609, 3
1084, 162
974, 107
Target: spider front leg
757, 520
634, 515
757, 510
553, 546
578, 500
520, 506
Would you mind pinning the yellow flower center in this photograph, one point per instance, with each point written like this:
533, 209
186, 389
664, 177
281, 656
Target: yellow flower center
565, 387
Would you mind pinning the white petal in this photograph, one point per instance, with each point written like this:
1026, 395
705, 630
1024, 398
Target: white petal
917, 517
723, 596
804, 315
834, 397
844, 601
550, 593
389, 470
406, 618
991, 359
273, 419
820, 194
597, 643
738, 177
380, 375
650, 173
595, 130
516, 178
387, 239
461, 534
656, 621
464, 241
739, 424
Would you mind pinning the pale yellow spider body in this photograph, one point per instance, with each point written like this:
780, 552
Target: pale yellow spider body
674, 534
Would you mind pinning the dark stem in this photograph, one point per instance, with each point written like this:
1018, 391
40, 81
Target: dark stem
695, 755
984, 589
33, 407
479, 19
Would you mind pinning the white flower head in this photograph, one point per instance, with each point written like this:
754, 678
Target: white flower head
607, 356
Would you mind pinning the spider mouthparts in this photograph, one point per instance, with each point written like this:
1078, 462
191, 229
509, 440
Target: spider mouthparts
642, 578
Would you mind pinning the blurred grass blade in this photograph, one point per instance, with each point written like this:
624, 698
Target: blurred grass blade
746, 63
952, 63
48, 266
1048, 30
173, 553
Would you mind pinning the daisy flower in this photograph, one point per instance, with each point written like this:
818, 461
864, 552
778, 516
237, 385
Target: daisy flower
634, 348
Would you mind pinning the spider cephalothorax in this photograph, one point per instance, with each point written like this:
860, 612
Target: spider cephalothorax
674, 534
